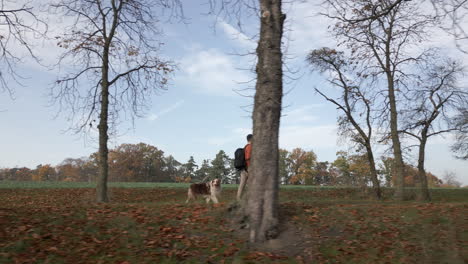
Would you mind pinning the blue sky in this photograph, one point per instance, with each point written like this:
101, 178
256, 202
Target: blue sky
207, 106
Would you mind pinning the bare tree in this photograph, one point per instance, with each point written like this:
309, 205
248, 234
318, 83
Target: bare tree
112, 62
355, 102
20, 25
452, 15
261, 204
430, 107
450, 178
263, 183
460, 147
372, 11
383, 45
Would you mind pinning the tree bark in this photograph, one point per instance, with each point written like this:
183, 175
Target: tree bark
101, 190
399, 165
390, 70
104, 115
103, 150
421, 179
373, 172
263, 181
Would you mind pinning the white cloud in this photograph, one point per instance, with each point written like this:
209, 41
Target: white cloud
165, 111
308, 137
307, 29
212, 72
303, 135
301, 114
235, 135
152, 117
238, 37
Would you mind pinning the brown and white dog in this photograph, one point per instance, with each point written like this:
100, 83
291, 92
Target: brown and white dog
210, 191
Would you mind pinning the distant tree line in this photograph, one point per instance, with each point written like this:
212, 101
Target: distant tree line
129, 163
302, 167
146, 163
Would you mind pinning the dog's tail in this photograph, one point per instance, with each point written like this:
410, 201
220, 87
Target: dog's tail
206, 177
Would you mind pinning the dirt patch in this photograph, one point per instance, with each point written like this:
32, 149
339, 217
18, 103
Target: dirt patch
291, 243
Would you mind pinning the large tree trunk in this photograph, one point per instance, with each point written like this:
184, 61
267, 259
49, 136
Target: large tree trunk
262, 206
390, 70
399, 165
421, 179
373, 172
101, 191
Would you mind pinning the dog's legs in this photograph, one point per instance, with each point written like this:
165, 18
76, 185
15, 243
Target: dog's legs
189, 195
208, 199
215, 199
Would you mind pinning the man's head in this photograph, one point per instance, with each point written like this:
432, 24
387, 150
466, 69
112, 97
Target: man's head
249, 137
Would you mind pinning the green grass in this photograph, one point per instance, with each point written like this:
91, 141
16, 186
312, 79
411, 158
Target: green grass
52, 184
56, 184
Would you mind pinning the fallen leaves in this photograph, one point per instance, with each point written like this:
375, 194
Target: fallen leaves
230, 251
147, 226
257, 255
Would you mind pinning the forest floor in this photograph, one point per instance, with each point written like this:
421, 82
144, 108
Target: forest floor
154, 225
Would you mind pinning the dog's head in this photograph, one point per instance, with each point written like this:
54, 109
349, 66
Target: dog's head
216, 182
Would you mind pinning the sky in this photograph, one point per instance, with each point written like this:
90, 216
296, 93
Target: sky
207, 106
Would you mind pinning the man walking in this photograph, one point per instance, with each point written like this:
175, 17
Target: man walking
244, 175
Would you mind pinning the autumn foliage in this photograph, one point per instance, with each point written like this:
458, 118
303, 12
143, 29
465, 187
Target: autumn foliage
145, 163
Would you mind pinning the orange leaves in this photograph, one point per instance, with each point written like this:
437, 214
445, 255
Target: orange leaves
218, 205
179, 254
312, 214
97, 241
182, 179
135, 162
78, 41
223, 251
166, 229
23, 228
179, 237
43, 173
313, 218
302, 165
133, 51
52, 249
230, 251
257, 255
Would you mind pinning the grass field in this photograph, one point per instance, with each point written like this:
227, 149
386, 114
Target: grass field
50, 184
150, 223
